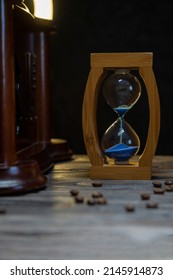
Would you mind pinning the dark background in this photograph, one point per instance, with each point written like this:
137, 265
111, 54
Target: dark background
84, 27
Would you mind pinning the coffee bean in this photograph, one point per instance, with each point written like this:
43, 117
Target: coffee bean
145, 196
168, 182
157, 184
91, 201
74, 192
97, 194
101, 200
158, 190
79, 199
152, 205
97, 184
130, 208
2, 210
169, 188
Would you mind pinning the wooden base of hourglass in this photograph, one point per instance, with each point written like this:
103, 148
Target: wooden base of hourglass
139, 168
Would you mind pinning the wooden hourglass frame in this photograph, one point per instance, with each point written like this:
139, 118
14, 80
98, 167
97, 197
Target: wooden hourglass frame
140, 168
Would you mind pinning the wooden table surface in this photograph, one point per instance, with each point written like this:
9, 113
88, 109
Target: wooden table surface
50, 225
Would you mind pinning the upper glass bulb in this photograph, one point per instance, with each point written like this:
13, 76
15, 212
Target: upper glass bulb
121, 90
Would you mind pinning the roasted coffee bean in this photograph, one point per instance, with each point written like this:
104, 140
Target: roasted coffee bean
97, 194
145, 196
168, 182
152, 205
101, 200
158, 190
74, 192
157, 184
79, 199
130, 208
169, 188
97, 184
91, 201
2, 210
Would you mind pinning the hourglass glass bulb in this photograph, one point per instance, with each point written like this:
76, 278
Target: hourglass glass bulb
120, 141
121, 91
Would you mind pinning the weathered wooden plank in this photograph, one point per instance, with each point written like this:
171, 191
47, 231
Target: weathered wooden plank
50, 225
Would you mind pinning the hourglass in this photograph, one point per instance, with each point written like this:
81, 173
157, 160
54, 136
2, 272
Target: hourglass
115, 156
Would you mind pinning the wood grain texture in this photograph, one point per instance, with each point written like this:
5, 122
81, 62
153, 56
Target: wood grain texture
49, 224
131, 59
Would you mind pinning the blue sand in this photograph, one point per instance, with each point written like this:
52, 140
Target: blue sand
121, 110
121, 152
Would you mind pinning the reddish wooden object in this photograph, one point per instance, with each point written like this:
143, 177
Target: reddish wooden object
26, 148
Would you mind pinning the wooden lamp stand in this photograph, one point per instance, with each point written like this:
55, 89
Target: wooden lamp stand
27, 151
101, 167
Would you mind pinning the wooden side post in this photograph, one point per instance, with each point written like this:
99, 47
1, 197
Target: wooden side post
7, 98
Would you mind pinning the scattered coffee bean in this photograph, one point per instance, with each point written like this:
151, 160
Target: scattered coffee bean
145, 196
97, 194
79, 199
97, 184
152, 205
168, 182
157, 184
169, 188
74, 192
2, 210
101, 200
91, 201
158, 190
130, 208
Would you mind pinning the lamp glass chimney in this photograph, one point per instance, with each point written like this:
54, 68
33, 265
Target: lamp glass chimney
43, 9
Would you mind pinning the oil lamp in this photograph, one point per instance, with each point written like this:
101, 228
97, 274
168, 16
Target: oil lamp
27, 151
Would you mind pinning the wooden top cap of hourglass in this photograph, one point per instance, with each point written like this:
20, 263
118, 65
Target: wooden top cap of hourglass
136, 59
